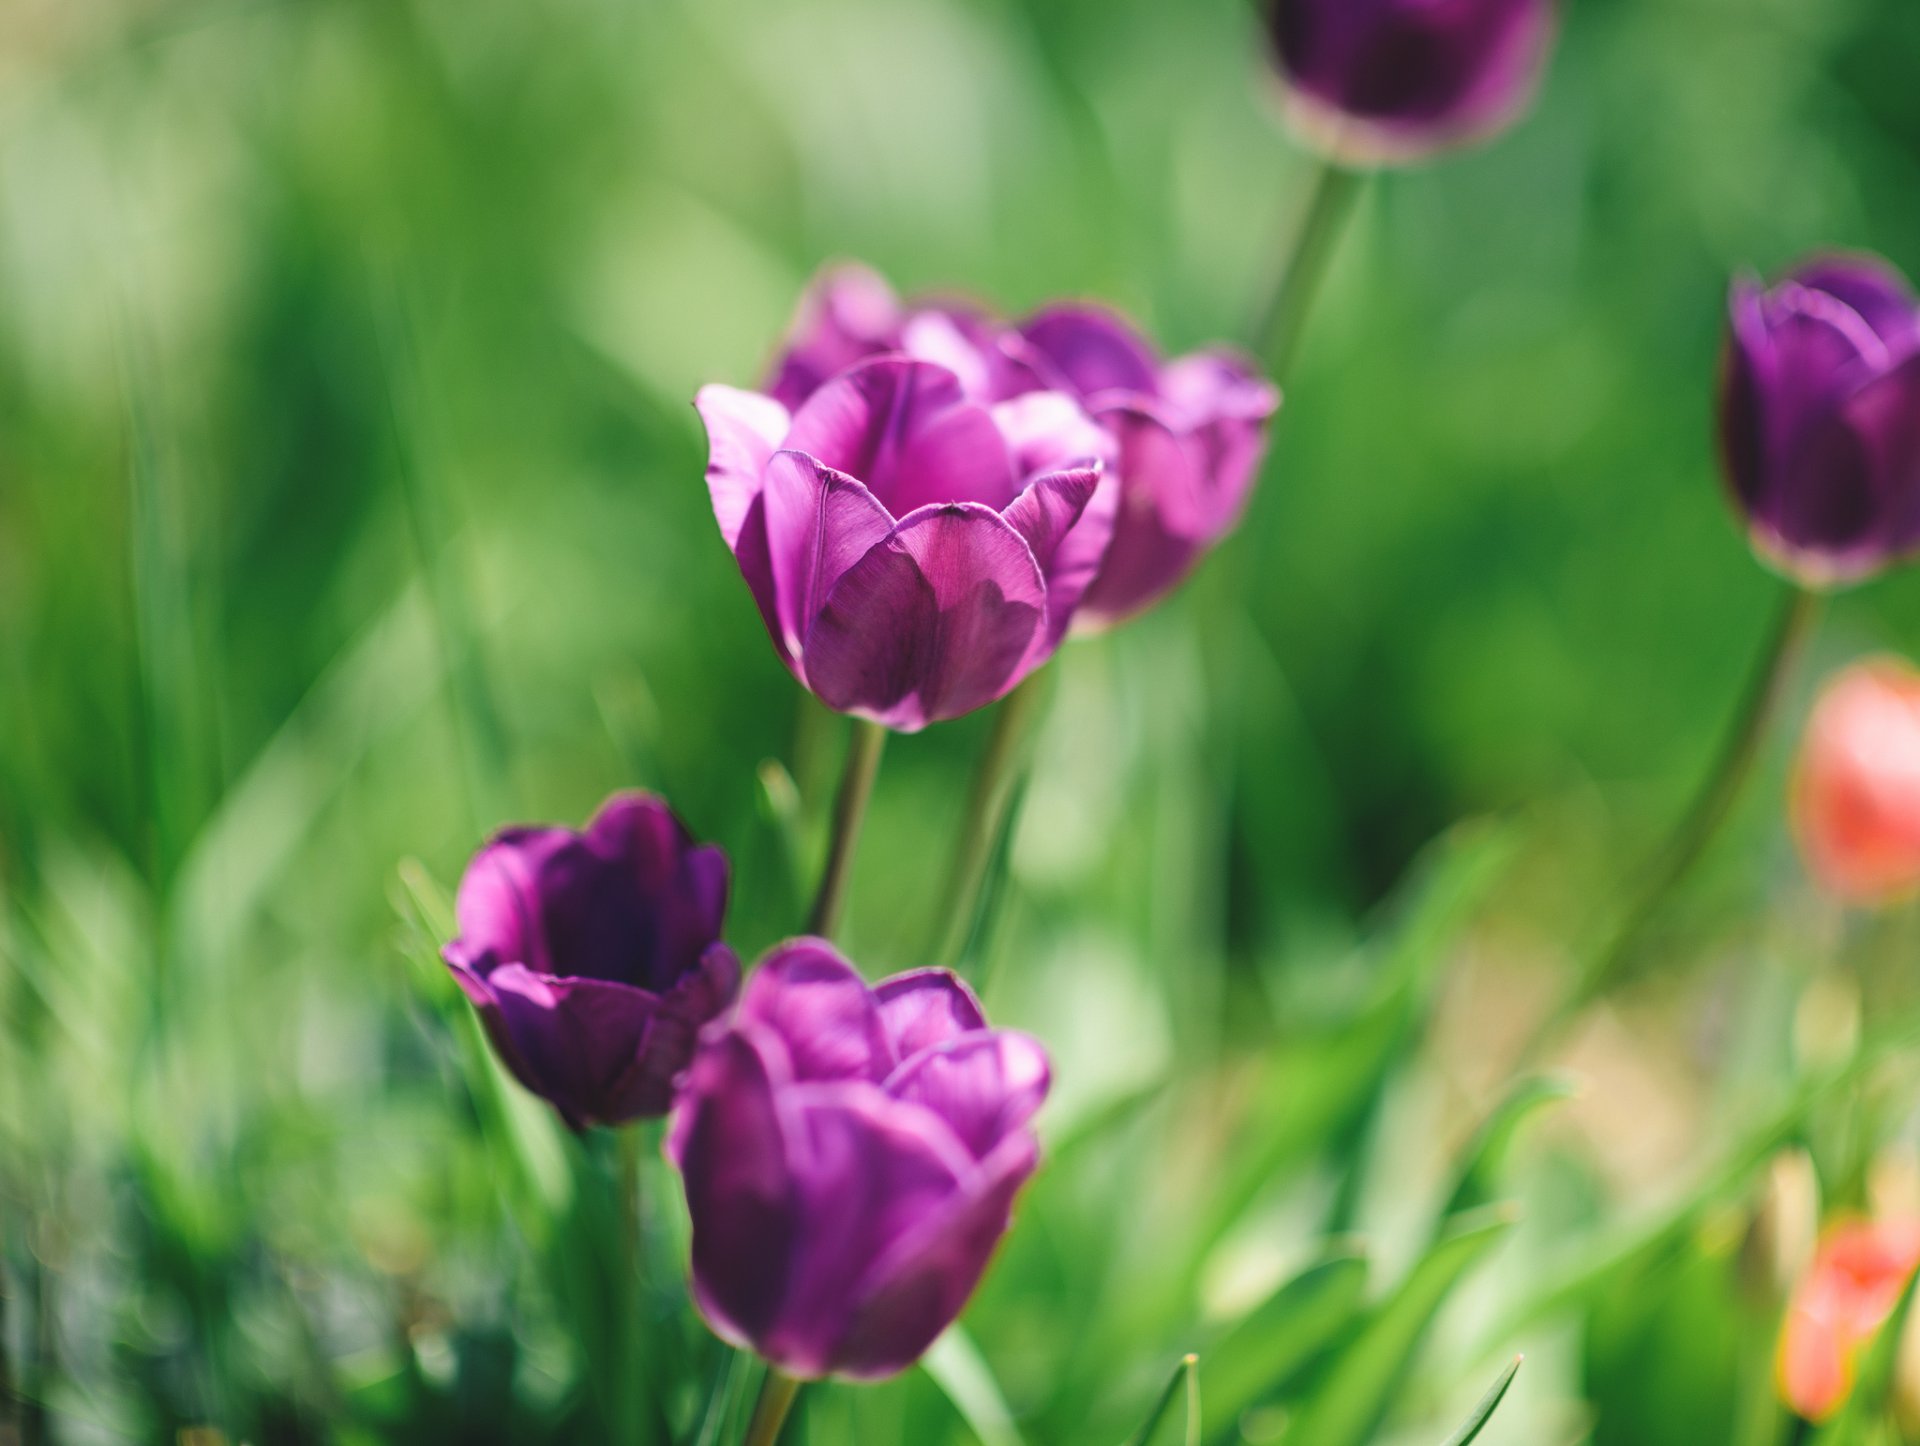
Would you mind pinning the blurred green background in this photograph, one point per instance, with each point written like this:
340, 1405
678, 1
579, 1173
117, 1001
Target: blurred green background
351, 505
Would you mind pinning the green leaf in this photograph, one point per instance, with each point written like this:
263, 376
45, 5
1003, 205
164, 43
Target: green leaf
1489, 1403
1353, 1397
957, 1367
1485, 1157
1268, 1348
1183, 1376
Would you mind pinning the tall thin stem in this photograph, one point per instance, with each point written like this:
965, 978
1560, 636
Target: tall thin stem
777, 1394
988, 816
849, 811
1792, 628
1296, 283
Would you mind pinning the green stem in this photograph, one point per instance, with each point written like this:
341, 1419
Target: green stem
849, 810
989, 815
1697, 827
1284, 315
777, 1395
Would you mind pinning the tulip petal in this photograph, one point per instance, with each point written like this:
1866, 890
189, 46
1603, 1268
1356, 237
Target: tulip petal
731, 1148
1747, 381
573, 1041
913, 1292
819, 523
847, 313
932, 623
743, 429
1049, 431
907, 431
984, 1085
1067, 519
647, 1090
1849, 497
868, 1175
497, 905
1092, 350
925, 1007
821, 1009
1872, 289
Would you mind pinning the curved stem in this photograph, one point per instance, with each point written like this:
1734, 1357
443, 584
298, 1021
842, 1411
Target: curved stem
1711, 805
777, 1395
849, 810
989, 815
1284, 315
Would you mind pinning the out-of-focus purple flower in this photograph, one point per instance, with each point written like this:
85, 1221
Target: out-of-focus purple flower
1820, 417
915, 552
1189, 437
594, 957
850, 1157
1373, 82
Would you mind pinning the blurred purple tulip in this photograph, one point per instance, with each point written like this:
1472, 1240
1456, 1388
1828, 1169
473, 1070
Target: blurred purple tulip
915, 553
1374, 82
1820, 417
850, 1157
594, 958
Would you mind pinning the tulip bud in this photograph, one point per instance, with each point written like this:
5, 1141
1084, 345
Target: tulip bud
1374, 82
850, 1157
594, 957
1856, 783
1820, 418
1856, 1279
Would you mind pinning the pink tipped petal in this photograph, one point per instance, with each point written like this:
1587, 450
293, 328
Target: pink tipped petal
819, 523
925, 1007
1092, 350
916, 1290
743, 428
906, 430
985, 1085
932, 624
819, 1006
732, 1152
1067, 519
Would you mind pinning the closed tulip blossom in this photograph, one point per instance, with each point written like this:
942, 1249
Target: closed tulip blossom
594, 958
1820, 417
1855, 1281
1856, 783
1374, 82
850, 1157
915, 552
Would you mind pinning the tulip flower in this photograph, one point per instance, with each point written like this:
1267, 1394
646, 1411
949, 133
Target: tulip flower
1820, 418
915, 553
850, 1157
1856, 784
1856, 1279
1374, 82
594, 958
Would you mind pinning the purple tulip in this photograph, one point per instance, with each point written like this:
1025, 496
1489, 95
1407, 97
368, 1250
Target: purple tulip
915, 552
1383, 81
1190, 435
594, 958
1820, 417
850, 1157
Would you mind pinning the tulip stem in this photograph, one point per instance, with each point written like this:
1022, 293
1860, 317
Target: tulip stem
849, 810
1792, 628
1283, 317
989, 815
777, 1395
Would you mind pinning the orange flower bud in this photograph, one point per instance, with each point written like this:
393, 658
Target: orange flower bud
1856, 787
1855, 1281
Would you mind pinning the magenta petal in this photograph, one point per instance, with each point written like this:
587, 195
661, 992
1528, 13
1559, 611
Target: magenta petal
743, 429
931, 624
869, 1176
1872, 289
732, 1152
984, 1085
575, 1042
1067, 519
925, 1007
1092, 350
906, 430
1049, 431
919, 1288
1851, 497
819, 523
1747, 382
848, 313
821, 1009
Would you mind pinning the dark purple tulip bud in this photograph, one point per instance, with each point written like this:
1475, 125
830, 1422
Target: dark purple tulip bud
915, 552
594, 958
1374, 82
1820, 418
850, 1157
1190, 436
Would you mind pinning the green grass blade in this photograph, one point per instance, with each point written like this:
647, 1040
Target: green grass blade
1273, 1343
1485, 1157
1182, 1380
957, 1368
1489, 1403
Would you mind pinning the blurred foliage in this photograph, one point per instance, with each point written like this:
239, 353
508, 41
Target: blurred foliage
350, 505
